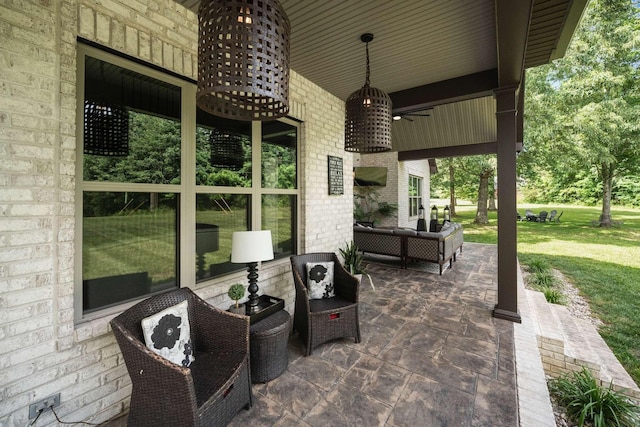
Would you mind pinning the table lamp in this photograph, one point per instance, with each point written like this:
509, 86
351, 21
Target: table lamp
251, 247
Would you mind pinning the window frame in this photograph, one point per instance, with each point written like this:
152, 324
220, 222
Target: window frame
186, 190
419, 185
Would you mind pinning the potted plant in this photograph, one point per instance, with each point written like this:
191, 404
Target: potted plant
368, 207
236, 292
353, 261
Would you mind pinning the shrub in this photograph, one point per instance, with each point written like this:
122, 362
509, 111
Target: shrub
543, 279
588, 402
554, 296
537, 265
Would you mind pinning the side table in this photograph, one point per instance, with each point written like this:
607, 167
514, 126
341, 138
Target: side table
268, 343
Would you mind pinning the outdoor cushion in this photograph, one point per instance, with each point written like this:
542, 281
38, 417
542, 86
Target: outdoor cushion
403, 232
168, 334
320, 280
429, 234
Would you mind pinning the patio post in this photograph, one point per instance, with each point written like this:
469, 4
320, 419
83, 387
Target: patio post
507, 306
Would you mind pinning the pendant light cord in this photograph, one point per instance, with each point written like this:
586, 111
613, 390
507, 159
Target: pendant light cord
368, 72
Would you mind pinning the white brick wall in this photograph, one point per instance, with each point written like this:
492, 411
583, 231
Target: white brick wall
42, 351
397, 188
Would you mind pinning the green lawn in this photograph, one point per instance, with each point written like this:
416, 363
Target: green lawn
603, 263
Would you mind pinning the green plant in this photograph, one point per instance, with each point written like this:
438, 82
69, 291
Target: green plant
367, 205
537, 265
236, 292
586, 401
543, 279
553, 295
353, 260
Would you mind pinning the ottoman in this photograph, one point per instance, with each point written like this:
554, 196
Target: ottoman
268, 343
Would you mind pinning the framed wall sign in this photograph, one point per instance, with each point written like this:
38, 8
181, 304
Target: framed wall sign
336, 183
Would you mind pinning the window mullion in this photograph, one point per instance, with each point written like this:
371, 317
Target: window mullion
256, 180
187, 214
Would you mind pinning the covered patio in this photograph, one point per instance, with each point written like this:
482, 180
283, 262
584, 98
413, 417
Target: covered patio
434, 348
431, 354
455, 70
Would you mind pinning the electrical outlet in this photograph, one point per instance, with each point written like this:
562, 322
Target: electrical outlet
44, 405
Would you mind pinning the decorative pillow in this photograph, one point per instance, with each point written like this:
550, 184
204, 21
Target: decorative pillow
168, 334
320, 280
446, 225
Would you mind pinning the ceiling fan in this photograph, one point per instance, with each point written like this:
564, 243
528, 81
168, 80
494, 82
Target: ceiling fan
408, 115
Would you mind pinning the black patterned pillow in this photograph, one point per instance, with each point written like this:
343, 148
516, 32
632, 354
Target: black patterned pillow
168, 334
320, 280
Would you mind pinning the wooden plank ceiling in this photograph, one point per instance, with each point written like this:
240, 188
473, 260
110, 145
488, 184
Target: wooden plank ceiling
444, 57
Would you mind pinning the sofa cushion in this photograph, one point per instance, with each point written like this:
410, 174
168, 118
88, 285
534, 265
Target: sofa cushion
447, 231
403, 232
429, 234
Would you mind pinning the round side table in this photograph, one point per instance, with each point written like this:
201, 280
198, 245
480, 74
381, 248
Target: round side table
268, 342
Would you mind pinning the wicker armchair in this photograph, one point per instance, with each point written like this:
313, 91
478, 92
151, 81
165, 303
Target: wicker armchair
208, 393
321, 320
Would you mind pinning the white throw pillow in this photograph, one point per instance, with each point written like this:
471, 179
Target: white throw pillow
168, 334
320, 280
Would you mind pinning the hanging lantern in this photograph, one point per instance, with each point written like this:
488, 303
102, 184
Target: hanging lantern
106, 129
226, 149
368, 116
243, 59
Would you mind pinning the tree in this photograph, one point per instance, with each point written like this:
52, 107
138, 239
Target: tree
583, 111
469, 179
452, 187
483, 168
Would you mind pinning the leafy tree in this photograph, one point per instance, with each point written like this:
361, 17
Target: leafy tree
583, 111
482, 168
468, 178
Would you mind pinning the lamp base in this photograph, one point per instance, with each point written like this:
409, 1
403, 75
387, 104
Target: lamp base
253, 303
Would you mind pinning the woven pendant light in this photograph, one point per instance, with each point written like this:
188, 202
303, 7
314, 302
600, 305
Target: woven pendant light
226, 150
368, 116
243, 59
106, 129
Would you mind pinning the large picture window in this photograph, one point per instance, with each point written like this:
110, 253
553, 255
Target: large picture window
415, 195
160, 204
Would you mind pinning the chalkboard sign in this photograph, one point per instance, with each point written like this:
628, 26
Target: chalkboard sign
335, 175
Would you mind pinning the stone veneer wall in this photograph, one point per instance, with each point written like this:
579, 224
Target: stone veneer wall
43, 351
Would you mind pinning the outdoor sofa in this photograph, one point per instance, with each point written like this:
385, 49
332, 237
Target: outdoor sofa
408, 245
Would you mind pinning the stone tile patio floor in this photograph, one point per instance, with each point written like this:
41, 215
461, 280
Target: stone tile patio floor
431, 355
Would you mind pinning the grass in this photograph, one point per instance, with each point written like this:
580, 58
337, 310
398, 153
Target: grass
603, 263
147, 241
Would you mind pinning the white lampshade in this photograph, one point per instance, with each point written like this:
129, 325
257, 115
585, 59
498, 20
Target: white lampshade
251, 246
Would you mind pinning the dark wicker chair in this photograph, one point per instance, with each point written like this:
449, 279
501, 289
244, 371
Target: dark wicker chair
208, 393
321, 320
